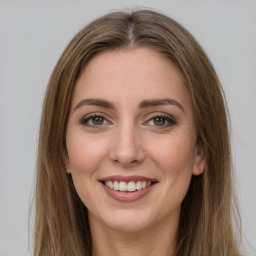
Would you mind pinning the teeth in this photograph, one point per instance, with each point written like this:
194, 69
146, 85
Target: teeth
115, 185
127, 186
131, 186
138, 185
122, 186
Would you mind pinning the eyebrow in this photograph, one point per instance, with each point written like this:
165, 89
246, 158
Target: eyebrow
144, 104
94, 102
160, 102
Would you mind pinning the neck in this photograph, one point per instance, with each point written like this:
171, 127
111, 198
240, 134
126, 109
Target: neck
159, 240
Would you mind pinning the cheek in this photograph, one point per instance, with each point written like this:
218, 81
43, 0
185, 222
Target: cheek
85, 157
177, 169
85, 153
175, 158
174, 155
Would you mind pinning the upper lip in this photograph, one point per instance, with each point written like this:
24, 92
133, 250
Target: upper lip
127, 178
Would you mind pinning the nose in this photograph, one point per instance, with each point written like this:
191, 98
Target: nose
126, 146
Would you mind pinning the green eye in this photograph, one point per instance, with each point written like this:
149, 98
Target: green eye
97, 120
94, 121
159, 121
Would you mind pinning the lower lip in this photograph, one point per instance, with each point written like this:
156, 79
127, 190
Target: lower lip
127, 196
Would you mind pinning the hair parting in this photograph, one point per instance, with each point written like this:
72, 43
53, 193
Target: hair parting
209, 210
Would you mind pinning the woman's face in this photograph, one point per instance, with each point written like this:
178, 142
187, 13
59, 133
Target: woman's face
131, 140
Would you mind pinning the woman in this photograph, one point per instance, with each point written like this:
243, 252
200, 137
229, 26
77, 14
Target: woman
134, 154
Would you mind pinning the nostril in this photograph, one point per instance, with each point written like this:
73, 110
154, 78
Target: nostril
126, 163
125, 150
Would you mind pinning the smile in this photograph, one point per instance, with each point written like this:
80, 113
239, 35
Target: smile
127, 188
130, 186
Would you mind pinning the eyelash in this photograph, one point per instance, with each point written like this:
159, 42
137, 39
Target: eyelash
170, 120
167, 119
84, 121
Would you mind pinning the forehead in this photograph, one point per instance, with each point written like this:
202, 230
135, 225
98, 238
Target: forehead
128, 74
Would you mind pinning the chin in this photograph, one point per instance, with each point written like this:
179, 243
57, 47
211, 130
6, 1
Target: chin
127, 221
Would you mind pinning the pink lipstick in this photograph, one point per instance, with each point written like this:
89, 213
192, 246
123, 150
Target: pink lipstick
127, 188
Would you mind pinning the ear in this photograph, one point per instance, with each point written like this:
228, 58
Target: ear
67, 166
199, 160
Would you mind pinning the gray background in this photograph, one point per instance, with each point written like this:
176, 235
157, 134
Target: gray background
32, 36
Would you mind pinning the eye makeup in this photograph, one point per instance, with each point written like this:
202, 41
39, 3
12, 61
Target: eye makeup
94, 120
160, 120
154, 120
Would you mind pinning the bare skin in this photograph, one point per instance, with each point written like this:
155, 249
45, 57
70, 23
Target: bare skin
150, 243
131, 117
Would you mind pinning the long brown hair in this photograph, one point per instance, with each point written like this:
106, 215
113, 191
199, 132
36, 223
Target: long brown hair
208, 212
